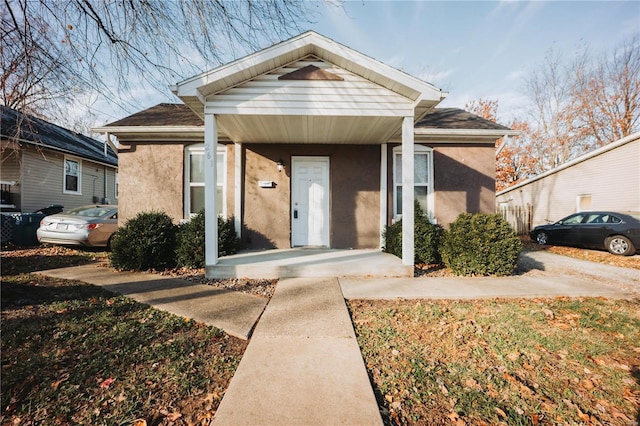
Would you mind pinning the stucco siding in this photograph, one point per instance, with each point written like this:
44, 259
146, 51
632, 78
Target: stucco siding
151, 177
611, 179
42, 181
464, 180
353, 186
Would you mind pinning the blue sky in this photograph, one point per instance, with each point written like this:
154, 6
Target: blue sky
478, 49
472, 49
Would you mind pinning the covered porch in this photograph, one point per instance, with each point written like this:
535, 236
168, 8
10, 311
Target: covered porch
309, 262
307, 91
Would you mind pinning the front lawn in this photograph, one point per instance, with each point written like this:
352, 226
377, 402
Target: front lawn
512, 362
73, 353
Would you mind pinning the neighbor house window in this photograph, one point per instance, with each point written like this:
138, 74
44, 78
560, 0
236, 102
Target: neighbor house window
116, 185
72, 176
422, 179
194, 180
583, 202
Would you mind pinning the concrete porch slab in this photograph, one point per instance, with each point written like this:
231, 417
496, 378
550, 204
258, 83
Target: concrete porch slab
310, 262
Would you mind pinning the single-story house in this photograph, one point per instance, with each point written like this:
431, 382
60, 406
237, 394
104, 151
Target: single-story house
306, 143
605, 179
45, 164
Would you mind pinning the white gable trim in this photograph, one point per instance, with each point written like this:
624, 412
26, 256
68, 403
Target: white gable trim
308, 43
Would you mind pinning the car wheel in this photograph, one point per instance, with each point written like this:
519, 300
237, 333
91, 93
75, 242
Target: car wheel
620, 245
542, 238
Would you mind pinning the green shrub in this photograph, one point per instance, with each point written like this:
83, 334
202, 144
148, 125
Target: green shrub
146, 241
426, 238
228, 241
480, 244
190, 248
190, 251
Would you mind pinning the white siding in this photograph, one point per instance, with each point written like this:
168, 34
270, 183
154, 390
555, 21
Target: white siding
42, 180
266, 95
611, 178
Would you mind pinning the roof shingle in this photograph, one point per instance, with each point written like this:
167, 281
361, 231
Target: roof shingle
24, 128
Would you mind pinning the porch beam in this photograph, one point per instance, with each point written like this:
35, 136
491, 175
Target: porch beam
383, 192
237, 193
407, 192
210, 185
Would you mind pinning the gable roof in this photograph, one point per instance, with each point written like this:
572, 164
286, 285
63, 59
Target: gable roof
195, 90
27, 129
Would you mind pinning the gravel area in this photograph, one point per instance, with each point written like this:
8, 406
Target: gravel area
257, 287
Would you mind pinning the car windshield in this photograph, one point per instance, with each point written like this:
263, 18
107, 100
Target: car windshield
93, 211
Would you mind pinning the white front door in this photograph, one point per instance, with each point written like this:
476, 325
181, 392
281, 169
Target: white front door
310, 201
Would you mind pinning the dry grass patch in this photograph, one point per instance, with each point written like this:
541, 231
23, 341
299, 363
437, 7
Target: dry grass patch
73, 353
546, 361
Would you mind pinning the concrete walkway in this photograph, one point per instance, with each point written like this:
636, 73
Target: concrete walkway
303, 365
234, 312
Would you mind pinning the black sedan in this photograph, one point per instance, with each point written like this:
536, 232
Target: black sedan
617, 232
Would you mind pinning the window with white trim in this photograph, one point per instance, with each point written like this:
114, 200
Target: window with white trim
72, 181
422, 179
115, 188
583, 202
194, 180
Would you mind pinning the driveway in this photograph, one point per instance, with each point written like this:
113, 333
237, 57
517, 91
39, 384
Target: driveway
545, 264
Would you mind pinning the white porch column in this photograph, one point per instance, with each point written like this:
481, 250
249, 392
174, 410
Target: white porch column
210, 189
383, 191
237, 193
407, 192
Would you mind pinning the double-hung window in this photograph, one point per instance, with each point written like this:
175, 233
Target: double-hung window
194, 180
422, 179
72, 181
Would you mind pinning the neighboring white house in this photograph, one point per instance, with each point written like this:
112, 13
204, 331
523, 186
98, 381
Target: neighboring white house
605, 179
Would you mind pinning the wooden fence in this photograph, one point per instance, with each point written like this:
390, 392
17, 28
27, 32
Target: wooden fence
519, 217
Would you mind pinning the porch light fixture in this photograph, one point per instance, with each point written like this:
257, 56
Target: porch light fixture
280, 165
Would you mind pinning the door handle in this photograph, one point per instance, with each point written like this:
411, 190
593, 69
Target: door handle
295, 214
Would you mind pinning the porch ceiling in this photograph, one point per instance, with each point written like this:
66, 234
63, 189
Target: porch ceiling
307, 129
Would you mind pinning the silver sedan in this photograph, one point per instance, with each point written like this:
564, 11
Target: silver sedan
90, 226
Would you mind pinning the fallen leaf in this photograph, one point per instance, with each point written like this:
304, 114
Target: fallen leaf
501, 413
443, 389
139, 422
106, 383
587, 384
513, 356
172, 417
455, 419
